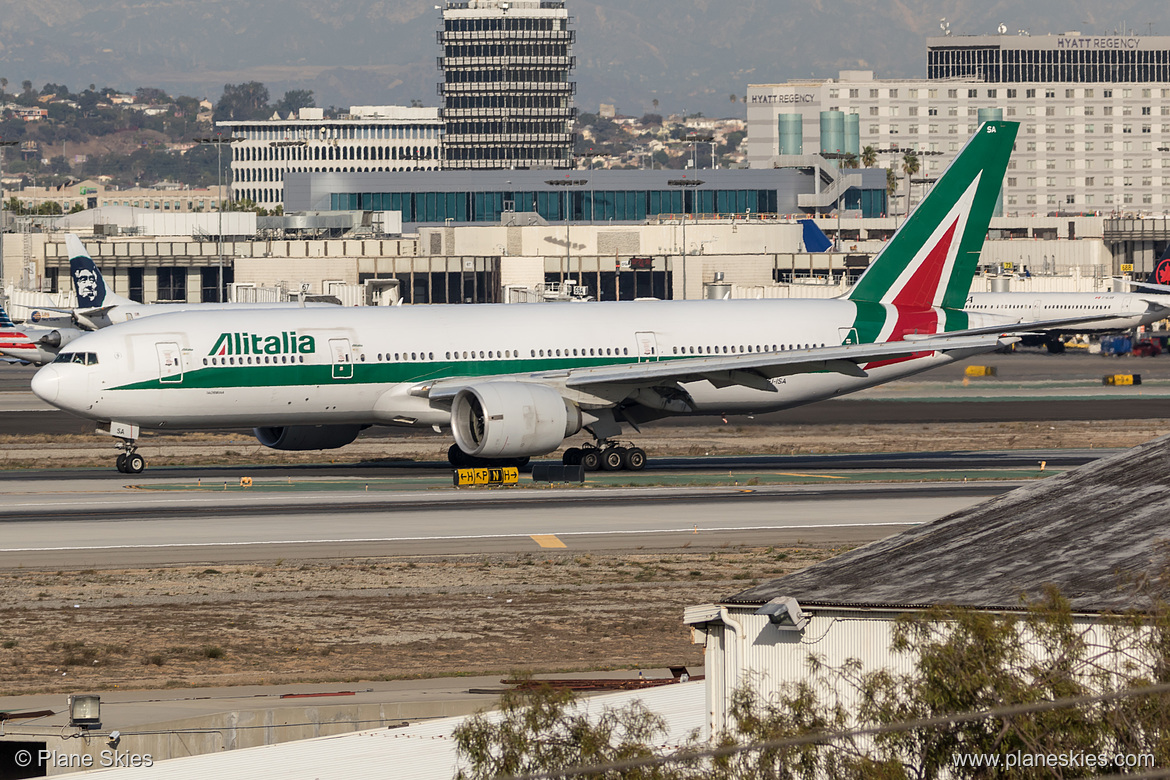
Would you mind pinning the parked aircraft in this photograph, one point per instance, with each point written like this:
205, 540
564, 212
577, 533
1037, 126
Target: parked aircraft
31, 343
513, 381
1128, 310
99, 307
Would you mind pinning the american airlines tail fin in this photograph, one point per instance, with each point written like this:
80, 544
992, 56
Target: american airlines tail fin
931, 260
88, 282
12, 337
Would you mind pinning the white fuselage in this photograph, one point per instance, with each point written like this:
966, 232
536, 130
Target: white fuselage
1131, 309
359, 365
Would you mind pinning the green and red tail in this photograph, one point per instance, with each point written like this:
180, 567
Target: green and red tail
931, 260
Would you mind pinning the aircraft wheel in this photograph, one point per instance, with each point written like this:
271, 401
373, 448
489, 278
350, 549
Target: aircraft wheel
120, 463
457, 457
135, 463
634, 459
611, 459
572, 457
591, 459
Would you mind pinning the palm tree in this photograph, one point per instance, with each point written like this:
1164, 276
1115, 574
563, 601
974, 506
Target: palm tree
910, 166
868, 157
850, 160
891, 185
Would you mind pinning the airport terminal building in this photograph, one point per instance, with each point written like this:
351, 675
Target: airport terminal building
369, 138
591, 196
1094, 110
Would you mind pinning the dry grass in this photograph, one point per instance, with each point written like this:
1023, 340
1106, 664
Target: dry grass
202, 448
363, 619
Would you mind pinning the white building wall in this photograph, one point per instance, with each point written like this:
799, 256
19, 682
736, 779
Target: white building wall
1081, 147
770, 659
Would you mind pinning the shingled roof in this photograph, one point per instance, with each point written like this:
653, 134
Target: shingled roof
1088, 532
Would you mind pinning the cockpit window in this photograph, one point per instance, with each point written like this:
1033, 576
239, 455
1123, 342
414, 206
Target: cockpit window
81, 358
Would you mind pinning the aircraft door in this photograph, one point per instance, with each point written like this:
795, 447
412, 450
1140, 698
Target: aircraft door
647, 347
848, 335
170, 362
1037, 310
342, 358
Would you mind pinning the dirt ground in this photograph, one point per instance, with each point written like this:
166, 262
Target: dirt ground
425, 616
363, 619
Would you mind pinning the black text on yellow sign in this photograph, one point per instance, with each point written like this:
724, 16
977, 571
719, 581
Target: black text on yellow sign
487, 476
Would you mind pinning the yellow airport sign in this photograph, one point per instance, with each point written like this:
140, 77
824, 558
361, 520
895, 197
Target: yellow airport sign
486, 476
980, 371
1127, 268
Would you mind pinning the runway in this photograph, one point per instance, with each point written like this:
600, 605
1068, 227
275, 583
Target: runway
98, 518
92, 527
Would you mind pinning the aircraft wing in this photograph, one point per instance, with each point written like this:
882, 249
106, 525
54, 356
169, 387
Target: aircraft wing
750, 370
1165, 288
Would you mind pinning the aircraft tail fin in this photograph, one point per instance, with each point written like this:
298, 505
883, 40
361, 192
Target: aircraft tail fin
11, 336
88, 282
814, 238
931, 259
1161, 273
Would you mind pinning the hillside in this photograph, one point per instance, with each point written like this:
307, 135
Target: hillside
688, 54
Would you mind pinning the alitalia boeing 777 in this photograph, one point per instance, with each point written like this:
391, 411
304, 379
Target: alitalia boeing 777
513, 381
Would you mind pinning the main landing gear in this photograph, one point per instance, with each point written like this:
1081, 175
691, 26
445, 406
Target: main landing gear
461, 460
129, 461
605, 456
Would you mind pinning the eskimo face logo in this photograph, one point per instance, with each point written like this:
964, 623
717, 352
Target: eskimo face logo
1162, 272
87, 282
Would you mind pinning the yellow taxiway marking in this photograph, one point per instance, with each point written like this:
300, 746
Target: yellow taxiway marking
547, 540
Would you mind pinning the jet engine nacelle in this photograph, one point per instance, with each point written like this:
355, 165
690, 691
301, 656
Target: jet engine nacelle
511, 419
59, 337
307, 437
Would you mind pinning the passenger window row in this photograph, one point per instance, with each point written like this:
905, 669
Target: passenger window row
716, 350
250, 360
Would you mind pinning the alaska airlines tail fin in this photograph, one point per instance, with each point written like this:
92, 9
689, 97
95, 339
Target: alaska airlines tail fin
931, 260
88, 283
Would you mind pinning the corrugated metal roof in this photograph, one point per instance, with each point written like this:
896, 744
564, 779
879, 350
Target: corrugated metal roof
1082, 531
424, 751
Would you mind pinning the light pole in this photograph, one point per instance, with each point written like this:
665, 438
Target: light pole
684, 183
219, 140
3, 144
568, 182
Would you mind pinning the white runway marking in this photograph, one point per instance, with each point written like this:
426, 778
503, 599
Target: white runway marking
519, 535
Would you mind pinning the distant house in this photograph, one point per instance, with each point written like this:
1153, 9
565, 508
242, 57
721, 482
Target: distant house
30, 114
121, 99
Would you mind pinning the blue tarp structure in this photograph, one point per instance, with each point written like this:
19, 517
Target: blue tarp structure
814, 238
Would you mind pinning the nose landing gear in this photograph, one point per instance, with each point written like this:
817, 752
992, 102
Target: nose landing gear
129, 461
606, 455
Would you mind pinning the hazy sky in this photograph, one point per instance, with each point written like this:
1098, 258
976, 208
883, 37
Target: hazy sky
691, 54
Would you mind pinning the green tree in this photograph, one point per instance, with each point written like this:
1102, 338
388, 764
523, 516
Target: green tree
910, 166
60, 165
540, 731
967, 666
868, 157
243, 101
151, 95
294, 100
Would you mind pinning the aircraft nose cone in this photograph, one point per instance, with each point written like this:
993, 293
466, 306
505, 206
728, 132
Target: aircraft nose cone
46, 384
